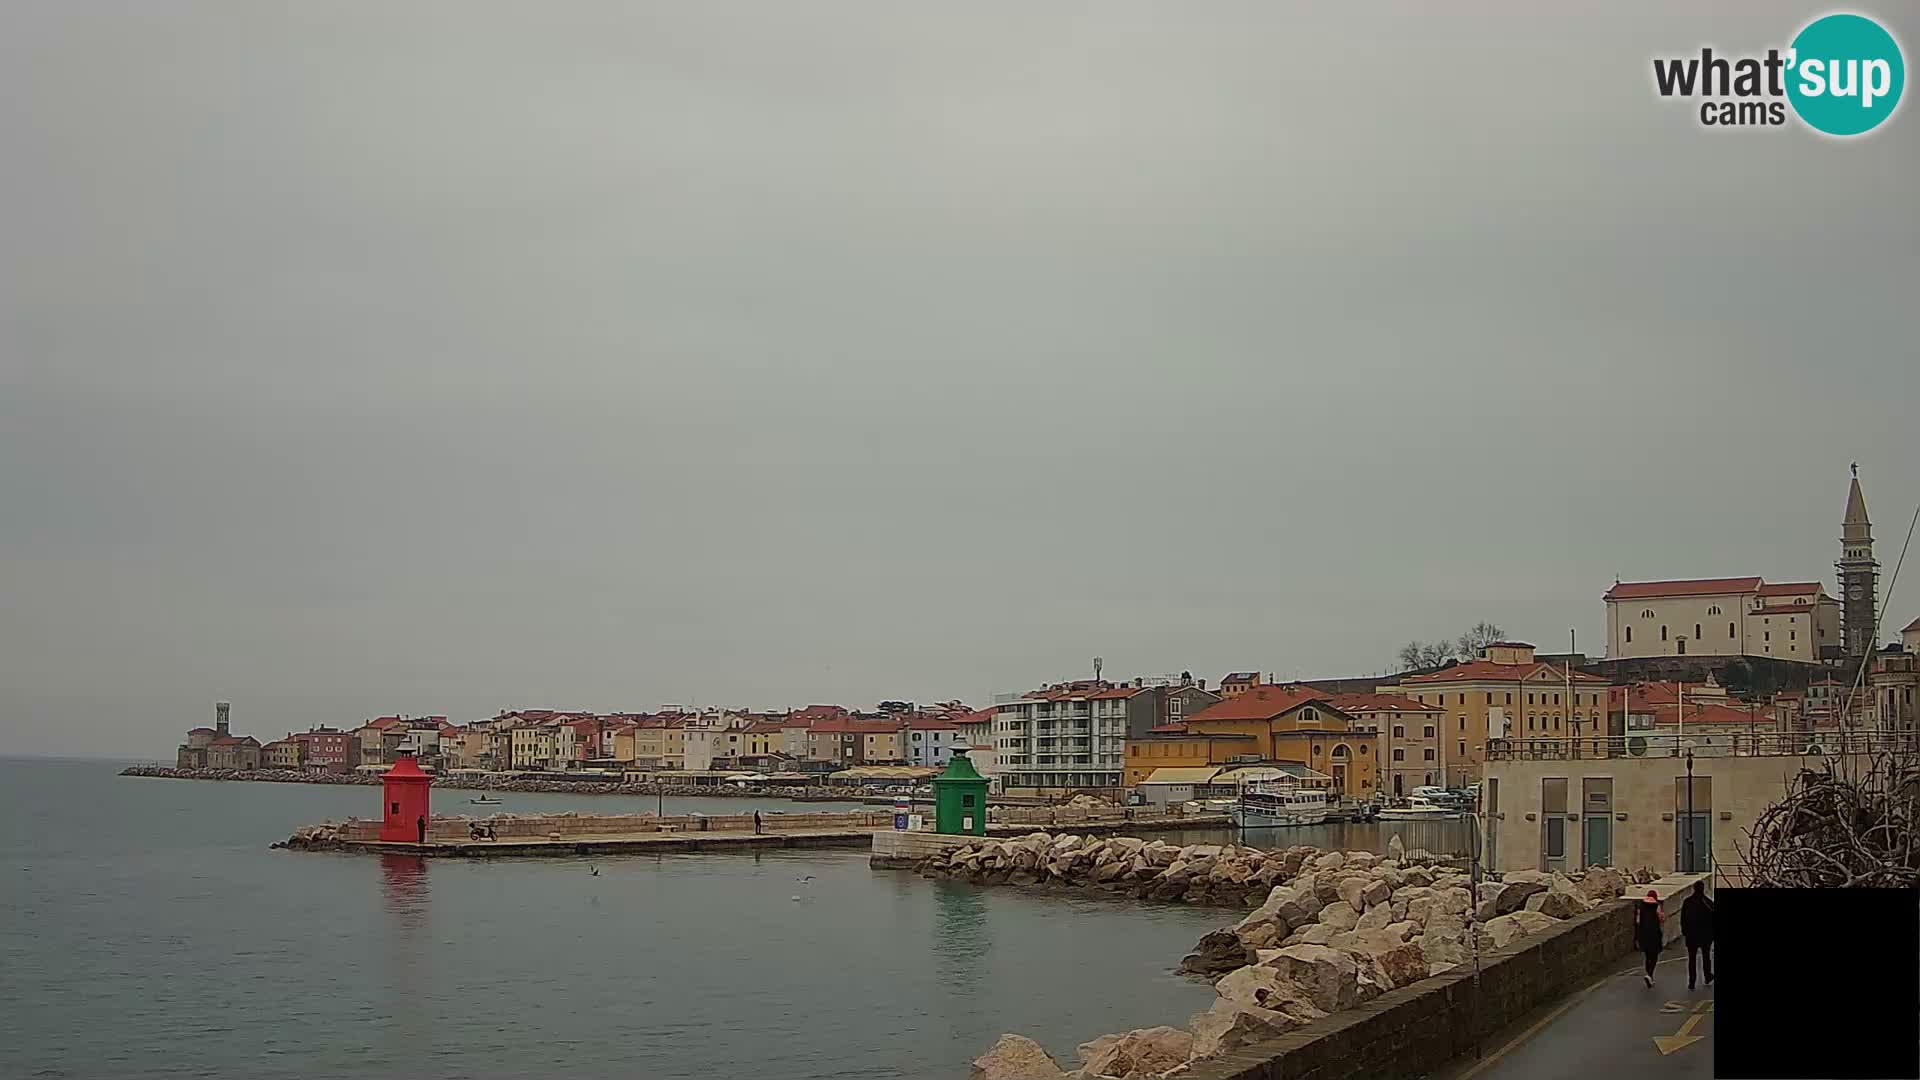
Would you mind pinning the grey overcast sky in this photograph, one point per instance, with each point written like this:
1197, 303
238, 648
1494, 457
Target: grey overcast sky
445, 357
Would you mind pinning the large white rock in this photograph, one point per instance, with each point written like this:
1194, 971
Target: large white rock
1339, 916
1377, 917
1146, 1052
1376, 893
1328, 976
1353, 890
1016, 1057
1228, 1027
1266, 989
1603, 883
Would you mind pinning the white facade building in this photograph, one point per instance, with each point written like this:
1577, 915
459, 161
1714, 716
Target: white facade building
1066, 737
1742, 616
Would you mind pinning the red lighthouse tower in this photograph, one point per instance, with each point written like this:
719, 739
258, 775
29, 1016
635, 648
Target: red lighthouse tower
405, 802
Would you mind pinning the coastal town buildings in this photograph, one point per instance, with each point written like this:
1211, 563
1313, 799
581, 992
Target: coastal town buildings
326, 749
1408, 737
930, 741
1893, 688
1506, 693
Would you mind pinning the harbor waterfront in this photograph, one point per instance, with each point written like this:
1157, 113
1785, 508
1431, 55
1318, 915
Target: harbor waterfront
158, 911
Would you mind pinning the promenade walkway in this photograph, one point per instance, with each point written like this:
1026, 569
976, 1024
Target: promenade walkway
1614, 1028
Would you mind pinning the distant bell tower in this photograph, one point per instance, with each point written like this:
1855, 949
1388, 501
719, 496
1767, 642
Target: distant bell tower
220, 711
1859, 573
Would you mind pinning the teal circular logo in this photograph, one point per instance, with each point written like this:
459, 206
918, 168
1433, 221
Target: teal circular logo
1845, 74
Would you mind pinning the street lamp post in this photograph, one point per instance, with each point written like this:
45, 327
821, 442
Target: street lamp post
1688, 834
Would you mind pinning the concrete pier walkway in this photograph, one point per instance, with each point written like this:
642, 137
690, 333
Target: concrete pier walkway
1613, 1028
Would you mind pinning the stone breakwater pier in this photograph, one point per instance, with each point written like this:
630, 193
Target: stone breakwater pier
583, 834
1350, 966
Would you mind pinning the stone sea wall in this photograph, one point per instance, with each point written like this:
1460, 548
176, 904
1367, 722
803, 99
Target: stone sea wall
569, 826
1332, 931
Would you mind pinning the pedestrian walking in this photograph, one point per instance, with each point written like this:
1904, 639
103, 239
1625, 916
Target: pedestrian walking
1696, 925
1649, 930
756, 822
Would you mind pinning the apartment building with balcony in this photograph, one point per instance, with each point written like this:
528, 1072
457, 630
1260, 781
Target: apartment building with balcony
1070, 736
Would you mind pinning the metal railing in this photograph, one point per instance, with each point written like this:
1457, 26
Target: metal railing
1707, 742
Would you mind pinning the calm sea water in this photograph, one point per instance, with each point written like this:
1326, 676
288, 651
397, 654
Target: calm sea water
147, 930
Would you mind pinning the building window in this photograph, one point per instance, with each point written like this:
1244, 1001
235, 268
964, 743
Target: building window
1647, 614
1696, 631
1729, 631
1430, 731
1663, 633
1509, 697
1463, 750
1429, 753
1463, 723
1399, 755
1629, 633
1767, 636
1399, 731
1363, 749
1714, 610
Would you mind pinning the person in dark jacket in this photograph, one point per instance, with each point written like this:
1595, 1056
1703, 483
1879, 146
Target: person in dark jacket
1696, 925
1648, 930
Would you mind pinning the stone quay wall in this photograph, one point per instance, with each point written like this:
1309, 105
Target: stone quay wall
1415, 1030
455, 828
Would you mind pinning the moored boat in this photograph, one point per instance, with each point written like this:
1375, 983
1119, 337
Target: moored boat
1266, 805
1418, 808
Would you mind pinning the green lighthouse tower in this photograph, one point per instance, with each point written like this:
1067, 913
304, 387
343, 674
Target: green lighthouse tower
960, 798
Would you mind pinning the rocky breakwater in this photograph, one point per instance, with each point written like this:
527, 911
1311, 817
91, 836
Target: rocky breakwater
325, 837
1226, 875
1337, 930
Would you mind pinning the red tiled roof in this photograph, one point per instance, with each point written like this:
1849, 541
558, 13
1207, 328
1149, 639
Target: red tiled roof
1789, 588
235, 740
857, 727
1352, 703
203, 730
1911, 627
1640, 590
1488, 671
765, 727
931, 723
1261, 703
977, 716
1115, 693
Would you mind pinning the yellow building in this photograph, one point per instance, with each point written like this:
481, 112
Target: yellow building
1173, 747
1507, 694
1284, 723
660, 745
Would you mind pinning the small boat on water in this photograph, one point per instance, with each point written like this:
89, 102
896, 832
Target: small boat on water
1418, 808
1266, 805
486, 800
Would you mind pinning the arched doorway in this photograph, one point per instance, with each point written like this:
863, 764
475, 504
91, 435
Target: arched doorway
1341, 760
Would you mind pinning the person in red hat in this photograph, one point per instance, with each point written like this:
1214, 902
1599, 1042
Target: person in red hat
1648, 930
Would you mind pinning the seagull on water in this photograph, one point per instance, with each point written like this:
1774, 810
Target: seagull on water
592, 869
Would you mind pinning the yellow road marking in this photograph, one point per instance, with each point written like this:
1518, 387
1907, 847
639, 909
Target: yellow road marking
1681, 1039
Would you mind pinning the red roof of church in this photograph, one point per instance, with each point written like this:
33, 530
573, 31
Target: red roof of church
1640, 590
1261, 703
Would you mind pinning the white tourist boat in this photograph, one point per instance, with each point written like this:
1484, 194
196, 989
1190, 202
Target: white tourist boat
1266, 805
1418, 808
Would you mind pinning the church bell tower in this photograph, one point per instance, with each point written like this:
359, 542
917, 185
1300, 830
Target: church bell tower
1859, 573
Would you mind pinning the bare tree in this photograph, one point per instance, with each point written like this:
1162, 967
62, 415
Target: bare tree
1420, 655
1477, 637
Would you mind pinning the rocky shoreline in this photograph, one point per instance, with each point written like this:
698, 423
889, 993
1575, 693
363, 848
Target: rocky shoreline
523, 785
1332, 930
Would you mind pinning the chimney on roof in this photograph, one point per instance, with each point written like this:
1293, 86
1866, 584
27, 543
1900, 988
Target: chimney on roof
1203, 684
